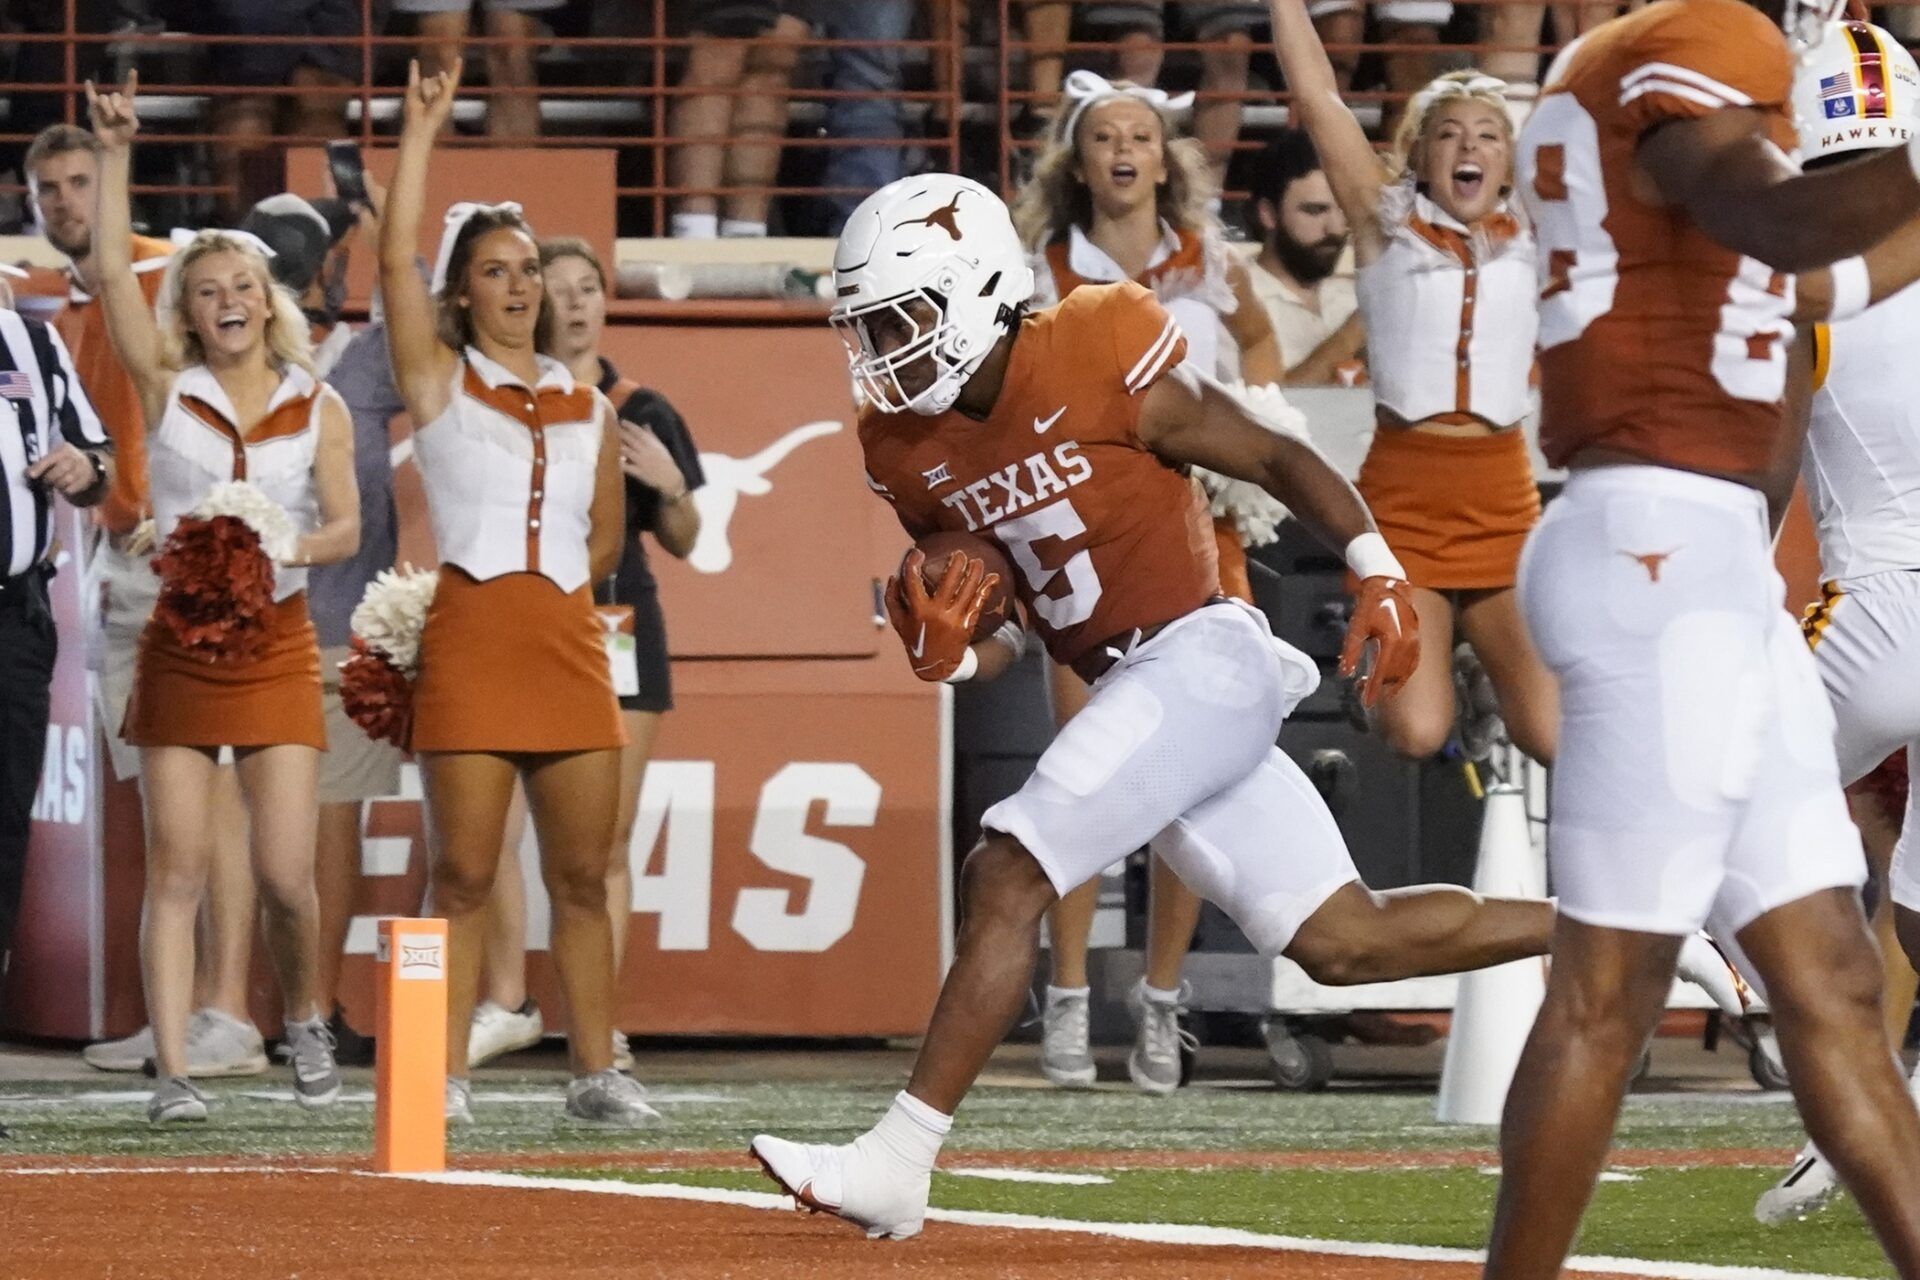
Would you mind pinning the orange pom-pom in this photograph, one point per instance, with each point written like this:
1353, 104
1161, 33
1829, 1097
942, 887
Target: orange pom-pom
376, 696
216, 586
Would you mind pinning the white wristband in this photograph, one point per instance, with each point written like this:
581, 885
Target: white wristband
1369, 556
1014, 636
1852, 288
969, 665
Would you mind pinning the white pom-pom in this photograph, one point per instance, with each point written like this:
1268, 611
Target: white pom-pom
393, 612
267, 518
1255, 513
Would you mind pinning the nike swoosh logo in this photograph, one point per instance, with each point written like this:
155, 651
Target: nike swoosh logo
1042, 425
920, 644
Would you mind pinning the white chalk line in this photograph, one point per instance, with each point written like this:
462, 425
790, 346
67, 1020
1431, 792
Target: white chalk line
1145, 1232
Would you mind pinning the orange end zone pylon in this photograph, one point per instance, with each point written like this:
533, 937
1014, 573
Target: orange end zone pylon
410, 1074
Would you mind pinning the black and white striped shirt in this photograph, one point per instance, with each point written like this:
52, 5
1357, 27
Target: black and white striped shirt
43, 405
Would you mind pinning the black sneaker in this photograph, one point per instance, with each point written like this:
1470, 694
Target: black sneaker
350, 1048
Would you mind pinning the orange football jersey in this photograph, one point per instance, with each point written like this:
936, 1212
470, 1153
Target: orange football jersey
1655, 340
1103, 534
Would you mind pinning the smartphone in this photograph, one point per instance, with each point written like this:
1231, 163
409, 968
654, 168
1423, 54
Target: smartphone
349, 173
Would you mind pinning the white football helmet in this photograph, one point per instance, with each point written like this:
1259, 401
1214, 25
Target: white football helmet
1808, 23
1858, 89
948, 243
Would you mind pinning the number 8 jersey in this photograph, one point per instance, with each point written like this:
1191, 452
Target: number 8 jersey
1656, 341
1104, 535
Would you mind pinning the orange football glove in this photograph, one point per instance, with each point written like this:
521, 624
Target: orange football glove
937, 627
1384, 624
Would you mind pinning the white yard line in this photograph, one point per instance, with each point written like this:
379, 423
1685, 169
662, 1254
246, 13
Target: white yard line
1148, 1232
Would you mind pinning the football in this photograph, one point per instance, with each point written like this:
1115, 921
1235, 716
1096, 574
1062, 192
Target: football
941, 547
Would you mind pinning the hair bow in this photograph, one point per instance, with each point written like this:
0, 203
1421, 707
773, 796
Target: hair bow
1441, 88
1086, 89
183, 237
457, 218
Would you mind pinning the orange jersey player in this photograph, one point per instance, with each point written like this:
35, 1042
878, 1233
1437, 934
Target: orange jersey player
1696, 779
1060, 434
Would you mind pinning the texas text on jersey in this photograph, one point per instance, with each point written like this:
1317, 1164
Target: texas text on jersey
1106, 536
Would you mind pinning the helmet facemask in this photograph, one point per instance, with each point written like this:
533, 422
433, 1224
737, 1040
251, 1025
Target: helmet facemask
1806, 21
885, 339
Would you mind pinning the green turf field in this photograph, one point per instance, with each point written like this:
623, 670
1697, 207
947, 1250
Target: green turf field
1699, 1214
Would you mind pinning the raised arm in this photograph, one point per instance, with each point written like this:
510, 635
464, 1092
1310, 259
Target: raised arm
130, 322
422, 364
1744, 192
1352, 166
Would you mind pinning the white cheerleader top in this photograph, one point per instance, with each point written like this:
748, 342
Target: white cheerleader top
509, 471
1187, 275
1451, 314
197, 446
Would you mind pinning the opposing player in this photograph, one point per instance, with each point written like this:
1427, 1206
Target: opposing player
1853, 96
1696, 778
1060, 435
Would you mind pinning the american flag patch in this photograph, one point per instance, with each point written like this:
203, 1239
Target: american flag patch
16, 386
1836, 84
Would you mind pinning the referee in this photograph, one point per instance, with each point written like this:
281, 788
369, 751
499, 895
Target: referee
51, 442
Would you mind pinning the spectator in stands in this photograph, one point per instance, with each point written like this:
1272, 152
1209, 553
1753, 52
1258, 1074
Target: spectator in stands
63, 170
514, 109
311, 242
1342, 25
1226, 25
319, 69
1048, 23
739, 70
1304, 275
1513, 28
875, 71
499, 426
662, 469
1118, 195
225, 349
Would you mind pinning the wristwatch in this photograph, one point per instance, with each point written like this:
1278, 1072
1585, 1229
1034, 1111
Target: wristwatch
99, 469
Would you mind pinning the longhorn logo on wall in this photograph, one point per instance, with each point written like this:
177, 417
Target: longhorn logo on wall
730, 479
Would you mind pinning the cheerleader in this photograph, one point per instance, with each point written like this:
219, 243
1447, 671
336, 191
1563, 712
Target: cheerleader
522, 474
1448, 294
224, 373
1117, 194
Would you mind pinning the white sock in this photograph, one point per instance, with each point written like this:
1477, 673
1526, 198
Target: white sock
1067, 993
742, 229
912, 1131
1158, 996
695, 226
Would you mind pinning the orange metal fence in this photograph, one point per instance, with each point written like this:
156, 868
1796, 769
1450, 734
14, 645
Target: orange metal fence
968, 102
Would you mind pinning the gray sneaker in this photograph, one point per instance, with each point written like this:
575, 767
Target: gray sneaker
316, 1077
607, 1097
1154, 1063
1066, 1059
219, 1044
177, 1100
459, 1101
130, 1053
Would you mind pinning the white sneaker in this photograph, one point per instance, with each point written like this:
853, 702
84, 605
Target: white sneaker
219, 1044
1805, 1189
498, 1031
1154, 1064
622, 1052
129, 1053
1702, 964
859, 1182
459, 1101
1066, 1057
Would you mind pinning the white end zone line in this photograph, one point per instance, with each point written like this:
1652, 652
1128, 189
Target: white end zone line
1147, 1232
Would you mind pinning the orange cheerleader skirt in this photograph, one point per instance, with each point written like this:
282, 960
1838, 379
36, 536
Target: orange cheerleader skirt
1455, 509
182, 700
511, 665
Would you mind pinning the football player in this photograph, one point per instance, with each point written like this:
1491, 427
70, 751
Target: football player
1696, 778
1061, 435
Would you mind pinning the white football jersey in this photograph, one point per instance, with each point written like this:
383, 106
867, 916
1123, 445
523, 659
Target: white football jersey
1862, 462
